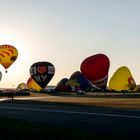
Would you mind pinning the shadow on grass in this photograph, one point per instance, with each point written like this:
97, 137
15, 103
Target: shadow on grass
18, 129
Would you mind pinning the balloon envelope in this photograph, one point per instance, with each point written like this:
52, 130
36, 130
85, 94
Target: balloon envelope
42, 73
8, 55
77, 79
62, 86
138, 88
31, 84
95, 68
122, 80
21, 86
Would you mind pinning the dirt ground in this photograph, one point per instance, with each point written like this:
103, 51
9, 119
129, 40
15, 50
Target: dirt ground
129, 101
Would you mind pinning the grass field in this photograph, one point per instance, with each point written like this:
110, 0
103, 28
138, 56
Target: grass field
126, 101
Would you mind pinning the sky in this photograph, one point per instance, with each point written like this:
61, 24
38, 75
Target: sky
65, 32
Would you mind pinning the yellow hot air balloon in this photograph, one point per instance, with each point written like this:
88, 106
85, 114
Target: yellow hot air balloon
33, 85
138, 88
122, 80
21, 86
8, 55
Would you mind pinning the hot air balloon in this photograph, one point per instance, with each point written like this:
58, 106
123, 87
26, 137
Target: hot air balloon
62, 86
21, 86
31, 84
42, 73
95, 68
77, 80
8, 55
138, 88
122, 80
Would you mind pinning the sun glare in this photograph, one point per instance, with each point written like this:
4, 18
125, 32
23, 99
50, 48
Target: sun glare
19, 70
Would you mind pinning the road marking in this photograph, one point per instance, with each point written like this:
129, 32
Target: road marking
71, 112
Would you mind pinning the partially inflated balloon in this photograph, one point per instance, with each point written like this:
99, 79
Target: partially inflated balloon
42, 73
138, 88
21, 86
31, 84
122, 80
95, 68
77, 79
8, 55
62, 86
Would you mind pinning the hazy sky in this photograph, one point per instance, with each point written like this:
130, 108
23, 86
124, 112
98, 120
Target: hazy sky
65, 32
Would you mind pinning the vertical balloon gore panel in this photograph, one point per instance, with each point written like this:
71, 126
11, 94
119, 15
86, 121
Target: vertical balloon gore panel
32, 84
95, 68
42, 73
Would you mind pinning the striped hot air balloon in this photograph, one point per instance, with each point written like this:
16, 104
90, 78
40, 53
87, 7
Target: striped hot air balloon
8, 55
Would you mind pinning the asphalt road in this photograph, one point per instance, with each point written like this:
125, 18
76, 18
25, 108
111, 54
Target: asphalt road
86, 118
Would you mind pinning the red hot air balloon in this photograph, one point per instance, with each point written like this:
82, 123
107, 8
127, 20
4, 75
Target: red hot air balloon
62, 86
95, 68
